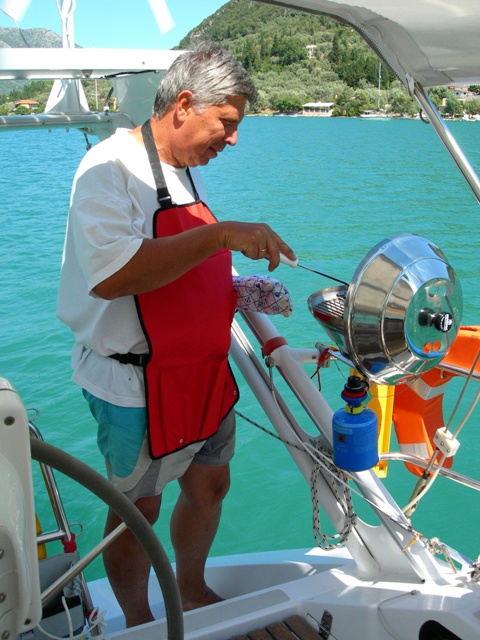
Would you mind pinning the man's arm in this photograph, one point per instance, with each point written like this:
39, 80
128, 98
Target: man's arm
160, 261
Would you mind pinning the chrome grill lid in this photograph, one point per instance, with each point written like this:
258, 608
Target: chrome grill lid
402, 310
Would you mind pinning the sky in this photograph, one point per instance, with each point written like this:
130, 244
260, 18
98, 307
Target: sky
117, 23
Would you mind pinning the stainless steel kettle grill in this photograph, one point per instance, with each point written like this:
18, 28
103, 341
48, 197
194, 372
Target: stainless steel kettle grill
400, 313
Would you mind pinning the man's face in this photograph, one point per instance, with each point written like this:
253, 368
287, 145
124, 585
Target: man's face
206, 134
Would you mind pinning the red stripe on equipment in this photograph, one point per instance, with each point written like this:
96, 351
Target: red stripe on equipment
272, 344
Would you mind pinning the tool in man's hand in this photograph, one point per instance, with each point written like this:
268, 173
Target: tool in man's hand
295, 263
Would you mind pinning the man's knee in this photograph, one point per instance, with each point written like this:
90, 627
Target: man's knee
149, 508
204, 484
220, 487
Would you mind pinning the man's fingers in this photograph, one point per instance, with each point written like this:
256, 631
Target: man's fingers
256, 241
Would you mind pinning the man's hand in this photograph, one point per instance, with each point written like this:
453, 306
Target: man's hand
255, 241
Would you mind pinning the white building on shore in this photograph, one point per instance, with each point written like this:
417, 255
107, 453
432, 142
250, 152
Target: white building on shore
319, 109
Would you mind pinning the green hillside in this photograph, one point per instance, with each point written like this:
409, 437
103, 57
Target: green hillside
294, 57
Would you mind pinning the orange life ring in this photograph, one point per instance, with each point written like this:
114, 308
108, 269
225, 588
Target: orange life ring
418, 406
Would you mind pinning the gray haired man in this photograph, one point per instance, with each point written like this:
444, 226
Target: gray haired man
146, 287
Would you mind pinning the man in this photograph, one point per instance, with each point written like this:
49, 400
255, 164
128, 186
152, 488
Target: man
146, 287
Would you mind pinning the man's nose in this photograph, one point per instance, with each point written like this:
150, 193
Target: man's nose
231, 138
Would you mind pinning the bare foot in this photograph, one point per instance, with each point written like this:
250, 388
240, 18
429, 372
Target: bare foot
207, 597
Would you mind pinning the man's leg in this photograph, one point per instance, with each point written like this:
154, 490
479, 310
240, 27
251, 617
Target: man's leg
193, 526
128, 566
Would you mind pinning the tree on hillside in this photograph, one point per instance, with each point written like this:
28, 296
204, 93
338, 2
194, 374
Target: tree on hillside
288, 104
400, 101
351, 104
335, 55
250, 58
453, 106
472, 107
437, 95
289, 50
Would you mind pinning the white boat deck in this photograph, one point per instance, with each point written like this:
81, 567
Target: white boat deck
266, 589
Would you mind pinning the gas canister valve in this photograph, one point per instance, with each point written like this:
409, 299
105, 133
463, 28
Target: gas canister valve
445, 442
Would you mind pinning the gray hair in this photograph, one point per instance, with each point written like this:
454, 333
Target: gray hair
210, 73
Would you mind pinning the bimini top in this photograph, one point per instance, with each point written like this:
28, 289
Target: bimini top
431, 42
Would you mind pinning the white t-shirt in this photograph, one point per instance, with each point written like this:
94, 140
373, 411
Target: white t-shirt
111, 212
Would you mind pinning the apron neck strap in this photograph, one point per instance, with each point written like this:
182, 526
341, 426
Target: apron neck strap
163, 196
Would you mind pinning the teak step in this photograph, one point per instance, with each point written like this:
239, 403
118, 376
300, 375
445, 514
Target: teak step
293, 628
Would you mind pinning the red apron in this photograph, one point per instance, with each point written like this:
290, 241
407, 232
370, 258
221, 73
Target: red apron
189, 386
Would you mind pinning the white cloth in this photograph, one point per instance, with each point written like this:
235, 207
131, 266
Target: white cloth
111, 212
262, 294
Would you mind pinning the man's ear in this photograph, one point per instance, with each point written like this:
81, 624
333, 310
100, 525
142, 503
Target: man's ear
184, 104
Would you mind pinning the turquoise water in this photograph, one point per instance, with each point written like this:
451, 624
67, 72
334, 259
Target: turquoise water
332, 189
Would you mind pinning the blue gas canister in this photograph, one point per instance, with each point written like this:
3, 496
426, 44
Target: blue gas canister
355, 430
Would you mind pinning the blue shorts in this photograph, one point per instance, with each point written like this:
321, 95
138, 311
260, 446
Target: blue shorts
122, 439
